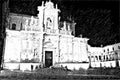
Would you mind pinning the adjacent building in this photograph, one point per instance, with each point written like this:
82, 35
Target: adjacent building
107, 56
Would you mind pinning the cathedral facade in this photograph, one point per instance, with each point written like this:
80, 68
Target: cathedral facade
42, 40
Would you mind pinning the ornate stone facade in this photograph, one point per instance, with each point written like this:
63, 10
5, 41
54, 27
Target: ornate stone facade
42, 41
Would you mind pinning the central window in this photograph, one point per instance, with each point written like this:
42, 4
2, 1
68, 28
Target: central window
13, 26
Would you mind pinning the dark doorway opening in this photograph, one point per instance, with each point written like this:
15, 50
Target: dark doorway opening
48, 58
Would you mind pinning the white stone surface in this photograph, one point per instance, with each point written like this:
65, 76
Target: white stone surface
75, 66
30, 41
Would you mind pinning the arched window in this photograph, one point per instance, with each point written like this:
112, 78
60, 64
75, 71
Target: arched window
21, 26
108, 50
107, 58
96, 58
100, 58
13, 26
104, 58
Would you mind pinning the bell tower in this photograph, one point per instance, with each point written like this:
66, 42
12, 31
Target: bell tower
48, 15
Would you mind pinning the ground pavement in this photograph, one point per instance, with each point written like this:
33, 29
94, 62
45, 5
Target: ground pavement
52, 74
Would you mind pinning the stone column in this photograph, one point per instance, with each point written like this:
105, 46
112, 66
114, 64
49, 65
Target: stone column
72, 50
116, 59
59, 49
64, 26
90, 62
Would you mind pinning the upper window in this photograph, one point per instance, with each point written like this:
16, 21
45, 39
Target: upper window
118, 47
104, 57
13, 26
99, 57
104, 50
96, 57
113, 48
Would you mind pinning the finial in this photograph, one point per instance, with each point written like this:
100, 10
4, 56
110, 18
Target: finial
101, 45
42, 3
59, 18
81, 35
56, 6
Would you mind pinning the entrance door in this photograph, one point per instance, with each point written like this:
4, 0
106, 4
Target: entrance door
48, 58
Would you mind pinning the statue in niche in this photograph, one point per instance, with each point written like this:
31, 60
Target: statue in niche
49, 23
35, 52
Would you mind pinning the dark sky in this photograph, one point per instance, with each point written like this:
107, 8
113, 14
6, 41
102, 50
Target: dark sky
113, 35
103, 33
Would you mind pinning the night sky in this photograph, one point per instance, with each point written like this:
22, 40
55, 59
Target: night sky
97, 20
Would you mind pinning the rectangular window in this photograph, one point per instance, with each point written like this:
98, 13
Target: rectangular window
13, 26
118, 47
103, 50
113, 48
21, 26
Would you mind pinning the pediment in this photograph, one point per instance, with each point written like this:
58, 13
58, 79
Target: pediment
48, 44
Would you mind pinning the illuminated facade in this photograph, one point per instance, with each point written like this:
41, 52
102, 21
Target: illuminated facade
42, 41
108, 56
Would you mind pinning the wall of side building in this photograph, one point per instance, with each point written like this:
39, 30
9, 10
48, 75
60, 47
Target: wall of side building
108, 56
